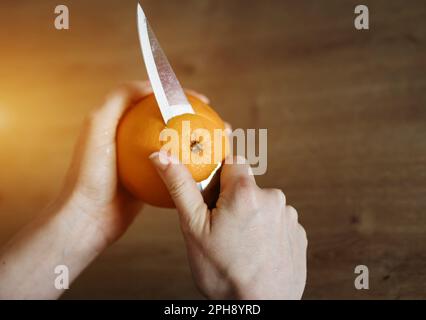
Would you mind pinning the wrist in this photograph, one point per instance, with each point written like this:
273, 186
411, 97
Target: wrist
80, 229
269, 292
265, 286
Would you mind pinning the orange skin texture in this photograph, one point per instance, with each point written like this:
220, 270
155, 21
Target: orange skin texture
138, 136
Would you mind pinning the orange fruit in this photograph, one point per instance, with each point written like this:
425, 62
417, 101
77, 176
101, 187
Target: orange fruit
138, 136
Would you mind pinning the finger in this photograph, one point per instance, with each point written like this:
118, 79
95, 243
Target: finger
303, 235
106, 117
97, 137
292, 214
200, 96
187, 197
275, 197
144, 86
236, 170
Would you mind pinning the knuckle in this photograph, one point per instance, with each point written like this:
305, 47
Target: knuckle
98, 112
279, 196
246, 192
95, 120
292, 213
304, 236
244, 184
121, 92
176, 188
198, 211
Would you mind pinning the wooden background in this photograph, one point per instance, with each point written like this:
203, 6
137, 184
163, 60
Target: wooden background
345, 112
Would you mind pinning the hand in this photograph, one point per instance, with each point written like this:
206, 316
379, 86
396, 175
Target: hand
92, 190
92, 211
250, 246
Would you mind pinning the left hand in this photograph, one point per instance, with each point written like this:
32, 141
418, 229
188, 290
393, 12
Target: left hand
92, 190
92, 211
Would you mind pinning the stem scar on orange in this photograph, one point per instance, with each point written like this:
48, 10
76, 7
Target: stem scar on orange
138, 136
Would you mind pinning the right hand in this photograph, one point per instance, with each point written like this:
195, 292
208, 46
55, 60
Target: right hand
250, 246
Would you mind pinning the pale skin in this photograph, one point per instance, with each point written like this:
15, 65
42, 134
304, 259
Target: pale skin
251, 246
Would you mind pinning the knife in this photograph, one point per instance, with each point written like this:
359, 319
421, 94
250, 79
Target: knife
168, 92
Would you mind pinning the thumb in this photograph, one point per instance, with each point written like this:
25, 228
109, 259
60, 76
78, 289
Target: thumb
193, 212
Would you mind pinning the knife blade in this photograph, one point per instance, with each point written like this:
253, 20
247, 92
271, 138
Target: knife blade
168, 92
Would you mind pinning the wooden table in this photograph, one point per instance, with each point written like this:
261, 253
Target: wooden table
345, 112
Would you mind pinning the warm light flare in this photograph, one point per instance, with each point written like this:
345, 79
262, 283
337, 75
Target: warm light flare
6, 118
3, 117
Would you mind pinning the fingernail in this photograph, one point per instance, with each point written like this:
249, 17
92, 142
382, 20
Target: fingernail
160, 160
